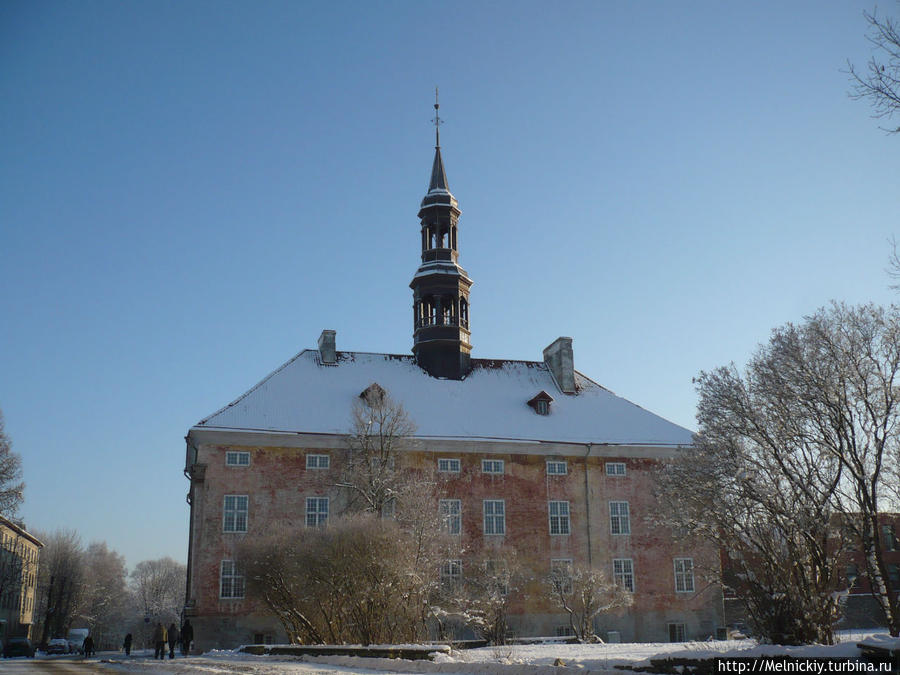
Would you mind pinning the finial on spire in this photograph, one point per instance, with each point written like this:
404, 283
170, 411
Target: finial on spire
437, 121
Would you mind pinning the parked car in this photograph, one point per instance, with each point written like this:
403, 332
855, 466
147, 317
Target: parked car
58, 646
18, 646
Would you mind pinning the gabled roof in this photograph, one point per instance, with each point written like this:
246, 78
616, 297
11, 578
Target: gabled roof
490, 403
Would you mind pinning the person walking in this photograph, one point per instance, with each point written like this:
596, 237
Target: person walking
88, 646
160, 637
187, 636
127, 645
173, 638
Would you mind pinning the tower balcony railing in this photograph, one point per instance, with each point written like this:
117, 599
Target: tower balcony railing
439, 321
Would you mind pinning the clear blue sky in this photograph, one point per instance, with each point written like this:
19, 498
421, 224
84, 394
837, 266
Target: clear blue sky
191, 191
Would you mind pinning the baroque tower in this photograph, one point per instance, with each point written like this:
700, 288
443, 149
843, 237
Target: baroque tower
440, 286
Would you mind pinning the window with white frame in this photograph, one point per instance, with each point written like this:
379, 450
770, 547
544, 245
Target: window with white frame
556, 468
318, 461
494, 516
561, 574
451, 515
623, 573
451, 573
448, 465
497, 572
234, 517
559, 517
316, 511
231, 582
619, 519
235, 458
676, 632
615, 468
492, 466
684, 575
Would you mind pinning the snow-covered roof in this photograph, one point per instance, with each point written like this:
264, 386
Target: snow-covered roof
490, 403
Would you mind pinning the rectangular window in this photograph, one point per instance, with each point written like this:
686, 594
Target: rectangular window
448, 465
451, 573
684, 575
231, 583
676, 632
494, 516
623, 573
619, 520
893, 570
888, 538
615, 468
318, 461
557, 469
316, 511
559, 517
235, 513
451, 519
498, 573
564, 631
494, 466
234, 458
561, 574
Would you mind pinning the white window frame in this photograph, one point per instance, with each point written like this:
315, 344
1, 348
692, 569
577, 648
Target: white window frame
619, 518
563, 565
684, 575
316, 516
615, 469
451, 573
499, 570
449, 465
492, 466
237, 458
229, 575
235, 513
556, 467
559, 517
451, 515
318, 462
678, 628
494, 511
623, 573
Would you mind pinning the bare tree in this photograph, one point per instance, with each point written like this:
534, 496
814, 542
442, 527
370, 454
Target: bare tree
12, 486
158, 587
106, 603
805, 438
491, 579
60, 588
371, 475
583, 593
355, 580
879, 82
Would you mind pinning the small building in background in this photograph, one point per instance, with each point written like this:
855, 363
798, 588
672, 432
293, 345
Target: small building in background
19, 558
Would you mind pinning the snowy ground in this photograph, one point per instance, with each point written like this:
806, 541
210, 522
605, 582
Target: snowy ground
511, 660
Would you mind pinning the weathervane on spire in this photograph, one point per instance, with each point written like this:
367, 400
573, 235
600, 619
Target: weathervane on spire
437, 121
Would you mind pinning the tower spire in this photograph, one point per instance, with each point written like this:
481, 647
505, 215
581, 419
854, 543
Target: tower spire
437, 121
440, 286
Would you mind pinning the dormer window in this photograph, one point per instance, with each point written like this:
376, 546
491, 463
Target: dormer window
541, 403
373, 394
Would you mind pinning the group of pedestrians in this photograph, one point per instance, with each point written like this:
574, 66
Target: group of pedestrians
161, 636
172, 636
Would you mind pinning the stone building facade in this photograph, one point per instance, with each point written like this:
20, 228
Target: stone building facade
533, 456
19, 559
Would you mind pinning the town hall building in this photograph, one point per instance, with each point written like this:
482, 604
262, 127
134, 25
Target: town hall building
538, 458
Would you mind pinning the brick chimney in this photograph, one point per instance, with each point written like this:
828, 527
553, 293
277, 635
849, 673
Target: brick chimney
327, 352
560, 360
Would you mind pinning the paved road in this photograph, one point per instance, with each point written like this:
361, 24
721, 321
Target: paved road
61, 666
